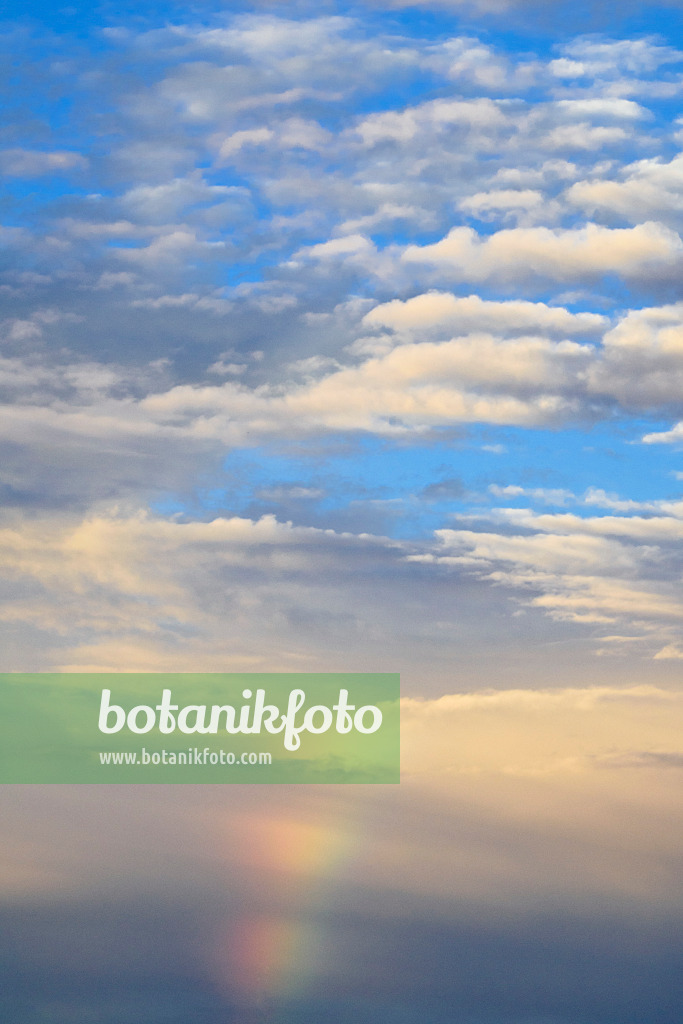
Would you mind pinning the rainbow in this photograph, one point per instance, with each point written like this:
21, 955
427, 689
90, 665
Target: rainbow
266, 956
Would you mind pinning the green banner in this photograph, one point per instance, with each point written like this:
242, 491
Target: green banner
130, 727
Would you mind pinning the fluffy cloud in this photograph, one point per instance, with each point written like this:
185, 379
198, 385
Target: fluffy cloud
642, 359
505, 202
481, 116
529, 380
647, 189
673, 436
610, 58
522, 253
442, 311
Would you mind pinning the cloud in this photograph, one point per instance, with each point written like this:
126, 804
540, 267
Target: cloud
642, 359
212, 304
671, 652
551, 732
447, 489
390, 384
603, 107
610, 58
285, 134
349, 245
154, 577
518, 254
169, 202
583, 136
443, 311
455, 6
24, 163
478, 115
509, 797
119, 590
138, 589
644, 190
411, 388
502, 201
171, 249
397, 386
672, 436
246, 137
590, 569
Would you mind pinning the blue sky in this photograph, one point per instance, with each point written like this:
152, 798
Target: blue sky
372, 272
350, 338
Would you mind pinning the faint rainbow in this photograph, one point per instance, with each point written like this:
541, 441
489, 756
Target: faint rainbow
273, 955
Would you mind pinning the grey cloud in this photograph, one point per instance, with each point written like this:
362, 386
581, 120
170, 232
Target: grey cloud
118, 935
534, 968
451, 487
121, 590
23, 163
642, 759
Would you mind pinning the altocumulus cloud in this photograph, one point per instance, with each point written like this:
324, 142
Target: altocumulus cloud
356, 267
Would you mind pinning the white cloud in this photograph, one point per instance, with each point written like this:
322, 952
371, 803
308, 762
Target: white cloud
646, 189
642, 360
583, 136
411, 388
347, 245
468, 59
672, 652
387, 214
247, 137
665, 528
603, 107
673, 436
300, 133
501, 201
479, 115
565, 68
561, 255
547, 495
585, 569
613, 57
443, 311
122, 591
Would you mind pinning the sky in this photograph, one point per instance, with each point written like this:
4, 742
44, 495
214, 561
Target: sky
349, 337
